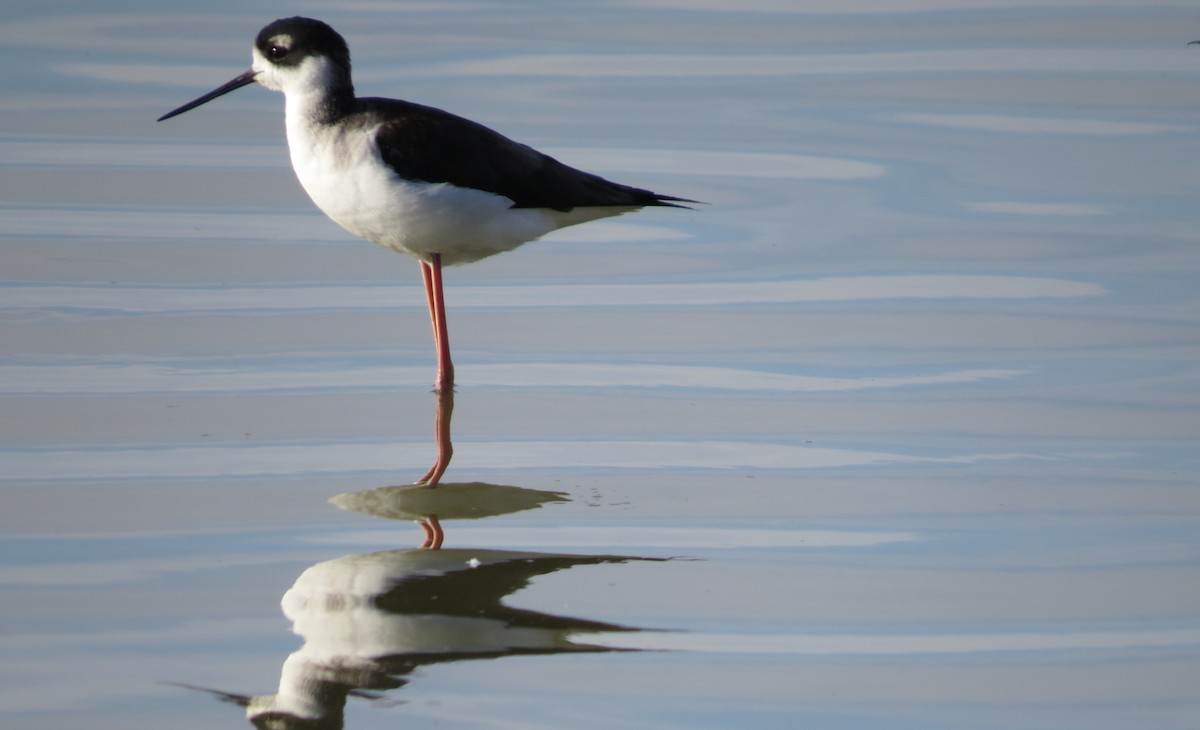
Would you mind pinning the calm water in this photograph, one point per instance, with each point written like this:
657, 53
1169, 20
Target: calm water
899, 431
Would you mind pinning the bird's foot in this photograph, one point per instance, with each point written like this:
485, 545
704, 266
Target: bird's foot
434, 475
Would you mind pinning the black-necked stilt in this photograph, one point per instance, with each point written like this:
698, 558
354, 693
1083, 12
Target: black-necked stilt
412, 178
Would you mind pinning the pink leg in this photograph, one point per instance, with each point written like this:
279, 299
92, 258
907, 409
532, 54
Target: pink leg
431, 274
433, 533
445, 449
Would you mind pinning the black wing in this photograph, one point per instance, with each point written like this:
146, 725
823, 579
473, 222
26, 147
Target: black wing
423, 143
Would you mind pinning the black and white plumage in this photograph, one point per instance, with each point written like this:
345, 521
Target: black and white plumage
415, 179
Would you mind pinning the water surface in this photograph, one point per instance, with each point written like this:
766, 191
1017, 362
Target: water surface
899, 430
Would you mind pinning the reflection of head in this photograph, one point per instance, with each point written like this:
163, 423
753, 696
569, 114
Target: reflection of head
312, 694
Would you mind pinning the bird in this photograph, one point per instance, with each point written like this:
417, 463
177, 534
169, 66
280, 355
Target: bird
412, 178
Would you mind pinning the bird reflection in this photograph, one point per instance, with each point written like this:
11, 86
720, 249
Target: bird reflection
442, 437
369, 621
429, 507
441, 433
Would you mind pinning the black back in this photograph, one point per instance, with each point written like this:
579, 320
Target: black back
428, 144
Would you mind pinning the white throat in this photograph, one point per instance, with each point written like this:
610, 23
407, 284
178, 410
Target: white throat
309, 82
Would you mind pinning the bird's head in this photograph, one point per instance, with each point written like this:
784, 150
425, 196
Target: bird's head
299, 55
294, 55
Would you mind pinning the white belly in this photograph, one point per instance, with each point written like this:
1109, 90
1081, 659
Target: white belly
346, 178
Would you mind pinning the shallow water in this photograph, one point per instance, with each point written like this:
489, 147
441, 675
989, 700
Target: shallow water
899, 430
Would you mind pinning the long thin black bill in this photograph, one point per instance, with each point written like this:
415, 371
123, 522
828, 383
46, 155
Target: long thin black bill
239, 82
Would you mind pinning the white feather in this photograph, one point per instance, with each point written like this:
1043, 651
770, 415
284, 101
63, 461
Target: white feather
341, 169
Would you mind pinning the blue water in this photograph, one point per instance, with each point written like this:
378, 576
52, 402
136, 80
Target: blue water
899, 430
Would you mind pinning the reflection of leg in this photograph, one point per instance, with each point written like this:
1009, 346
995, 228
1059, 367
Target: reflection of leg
433, 533
431, 274
441, 430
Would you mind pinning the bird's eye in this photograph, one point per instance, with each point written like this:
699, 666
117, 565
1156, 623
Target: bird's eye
277, 52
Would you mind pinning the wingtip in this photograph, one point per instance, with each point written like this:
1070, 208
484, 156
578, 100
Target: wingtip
670, 201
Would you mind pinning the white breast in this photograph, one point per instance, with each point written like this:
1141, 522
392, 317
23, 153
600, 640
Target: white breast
342, 171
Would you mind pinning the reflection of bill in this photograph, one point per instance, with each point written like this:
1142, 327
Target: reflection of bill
370, 620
